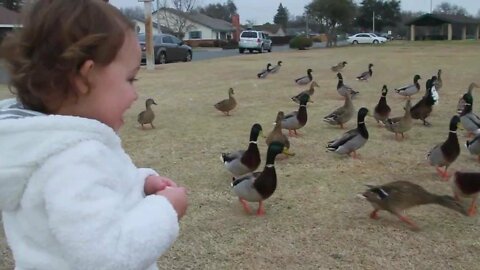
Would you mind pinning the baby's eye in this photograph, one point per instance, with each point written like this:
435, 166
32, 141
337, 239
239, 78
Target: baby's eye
132, 80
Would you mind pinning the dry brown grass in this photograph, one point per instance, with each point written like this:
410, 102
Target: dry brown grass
314, 220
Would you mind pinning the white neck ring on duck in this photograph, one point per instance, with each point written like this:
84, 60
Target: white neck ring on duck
255, 142
269, 165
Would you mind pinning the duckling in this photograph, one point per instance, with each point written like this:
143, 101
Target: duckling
276, 134
309, 91
305, 79
438, 83
382, 110
400, 124
259, 186
396, 197
423, 108
444, 154
297, 119
411, 89
147, 116
367, 74
467, 184
339, 66
461, 102
343, 89
342, 114
263, 74
353, 139
473, 146
227, 105
242, 162
470, 121
276, 68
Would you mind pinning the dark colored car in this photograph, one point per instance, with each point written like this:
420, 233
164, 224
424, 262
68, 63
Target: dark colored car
167, 48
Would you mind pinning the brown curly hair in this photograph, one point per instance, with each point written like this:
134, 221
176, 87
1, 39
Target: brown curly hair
57, 37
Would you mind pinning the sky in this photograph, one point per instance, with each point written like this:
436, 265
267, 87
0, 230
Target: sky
262, 11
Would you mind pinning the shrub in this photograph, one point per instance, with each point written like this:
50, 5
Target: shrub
300, 42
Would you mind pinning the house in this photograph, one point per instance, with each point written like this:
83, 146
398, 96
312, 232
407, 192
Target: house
273, 30
8, 21
195, 28
140, 27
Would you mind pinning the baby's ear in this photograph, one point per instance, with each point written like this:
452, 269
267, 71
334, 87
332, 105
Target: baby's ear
82, 81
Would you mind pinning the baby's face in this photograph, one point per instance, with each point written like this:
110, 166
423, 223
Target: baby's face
113, 91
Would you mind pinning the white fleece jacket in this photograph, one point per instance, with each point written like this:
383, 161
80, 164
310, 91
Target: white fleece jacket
71, 198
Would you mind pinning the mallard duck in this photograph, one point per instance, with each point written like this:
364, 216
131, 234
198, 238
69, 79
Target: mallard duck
444, 154
259, 186
410, 89
276, 68
343, 89
396, 197
467, 184
147, 116
438, 83
227, 105
461, 102
242, 162
309, 91
470, 121
342, 114
435, 95
473, 146
297, 119
353, 139
382, 110
400, 124
305, 79
276, 134
423, 108
339, 66
263, 74
367, 74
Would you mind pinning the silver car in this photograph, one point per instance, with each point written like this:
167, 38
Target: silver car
167, 48
252, 40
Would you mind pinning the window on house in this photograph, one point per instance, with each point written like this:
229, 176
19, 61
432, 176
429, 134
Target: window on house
195, 34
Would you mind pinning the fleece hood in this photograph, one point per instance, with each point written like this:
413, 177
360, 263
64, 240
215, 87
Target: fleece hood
29, 138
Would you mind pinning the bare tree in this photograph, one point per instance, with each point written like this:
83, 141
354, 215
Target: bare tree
133, 12
173, 14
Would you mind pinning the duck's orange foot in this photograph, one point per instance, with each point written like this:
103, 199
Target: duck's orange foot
245, 206
472, 211
374, 214
260, 211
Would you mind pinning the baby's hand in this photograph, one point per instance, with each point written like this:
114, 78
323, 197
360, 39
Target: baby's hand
155, 183
177, 196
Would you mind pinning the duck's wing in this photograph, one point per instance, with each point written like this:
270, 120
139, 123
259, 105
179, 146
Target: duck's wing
435, 155
404, 88
229, 157
364, 75
347, 136
290, 115
248, 177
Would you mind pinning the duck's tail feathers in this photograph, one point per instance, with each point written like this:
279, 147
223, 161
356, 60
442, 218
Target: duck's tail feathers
451, 203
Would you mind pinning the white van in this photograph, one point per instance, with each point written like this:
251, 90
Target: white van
252, 40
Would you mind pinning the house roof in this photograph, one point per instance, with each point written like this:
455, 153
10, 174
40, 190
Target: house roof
9, 17
268, 27
213, 23
155, 25
432, 19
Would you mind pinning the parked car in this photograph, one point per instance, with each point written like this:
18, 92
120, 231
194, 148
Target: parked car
366, 38
167, 48
252, 40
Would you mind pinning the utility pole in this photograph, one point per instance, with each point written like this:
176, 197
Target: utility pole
431, 6
306, 25
159, 30
149, 34
373, 22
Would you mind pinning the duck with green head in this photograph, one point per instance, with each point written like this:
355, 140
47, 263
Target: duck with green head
470, 121
244, 161
297, 119
382, 110
259, 186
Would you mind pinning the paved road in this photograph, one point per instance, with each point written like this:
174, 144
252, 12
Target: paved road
203, 54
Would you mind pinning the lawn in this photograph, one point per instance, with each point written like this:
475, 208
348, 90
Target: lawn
314, 220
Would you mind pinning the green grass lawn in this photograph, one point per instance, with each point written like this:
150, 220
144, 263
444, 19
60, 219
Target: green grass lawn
314, 219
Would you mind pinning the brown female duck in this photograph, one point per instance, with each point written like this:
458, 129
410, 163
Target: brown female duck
342, 114
276, 134
227, 105
309, 91
398, 196
147, 116
444, 154
339, 66
400, 124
